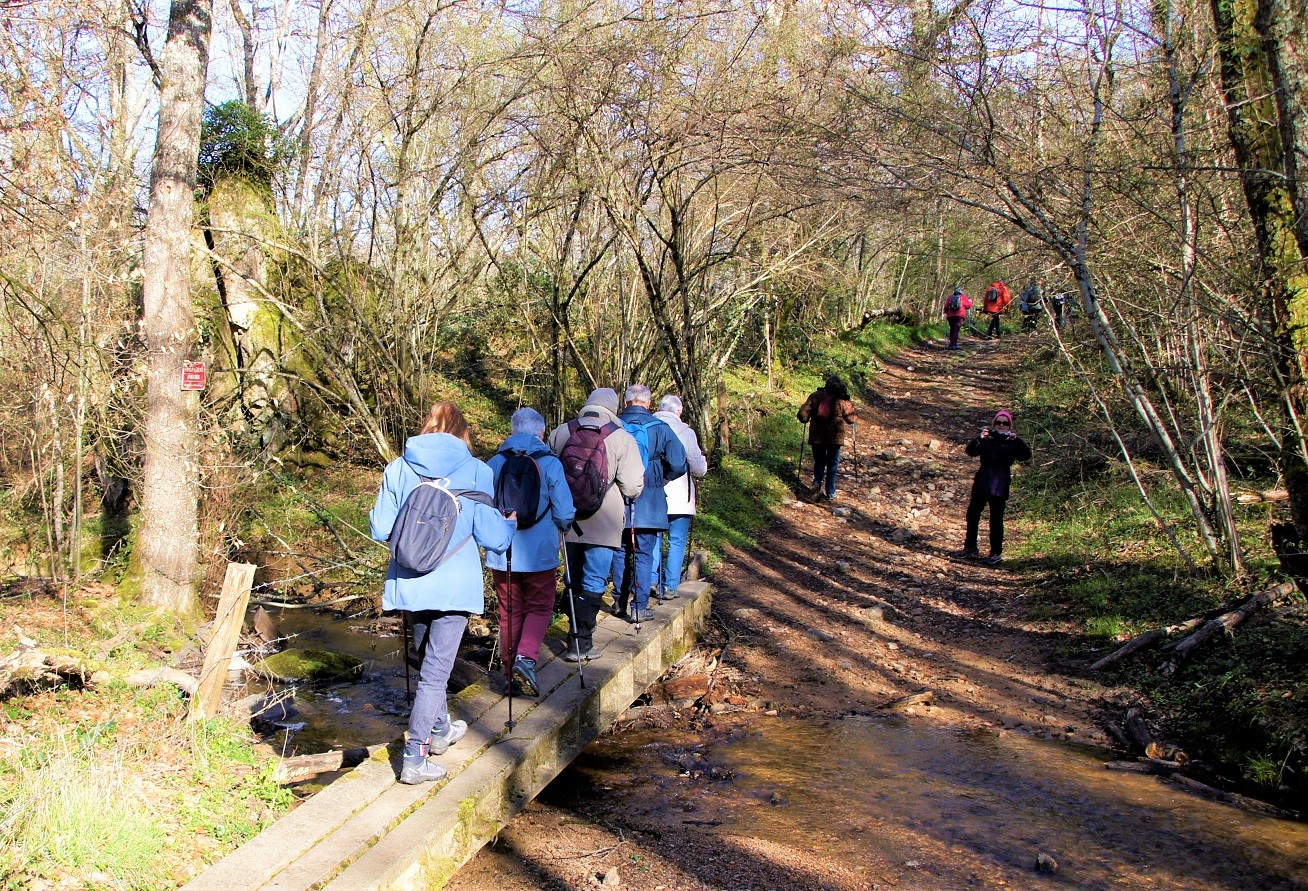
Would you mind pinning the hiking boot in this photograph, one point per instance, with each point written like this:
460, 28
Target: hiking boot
417, 769
524, 674
969, 554
437, 743
578, 652
665, 594
641, 615
993, 559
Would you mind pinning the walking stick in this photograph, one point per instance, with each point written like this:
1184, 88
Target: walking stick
629, 566
799, 465
572, 608
408, 638
508, 634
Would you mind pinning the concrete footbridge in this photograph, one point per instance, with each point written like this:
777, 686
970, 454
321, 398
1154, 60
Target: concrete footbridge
366, 831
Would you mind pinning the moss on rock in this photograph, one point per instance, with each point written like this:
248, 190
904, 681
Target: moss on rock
296, 664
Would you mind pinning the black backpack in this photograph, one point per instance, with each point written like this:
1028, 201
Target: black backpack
585, 461
420, 538
954, 303
517, 488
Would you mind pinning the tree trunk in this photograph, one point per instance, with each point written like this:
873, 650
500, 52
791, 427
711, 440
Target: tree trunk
1259, 92
165, 554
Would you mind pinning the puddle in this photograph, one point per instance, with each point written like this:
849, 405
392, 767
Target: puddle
931, 809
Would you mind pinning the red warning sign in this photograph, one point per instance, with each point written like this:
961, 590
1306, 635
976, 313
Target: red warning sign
193, 376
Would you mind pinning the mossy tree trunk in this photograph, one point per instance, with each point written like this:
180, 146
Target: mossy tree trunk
1263, 86
164, 560
242, 231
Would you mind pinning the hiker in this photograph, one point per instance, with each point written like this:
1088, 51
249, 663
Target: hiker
998, 446
956, 306
526, 577
437, 603
829, 413
1062, 309
601, 463
1031, 305
664, 459
994, 304
681, 493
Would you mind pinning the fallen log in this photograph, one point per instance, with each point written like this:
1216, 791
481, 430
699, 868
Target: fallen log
1225, 622
31, 667
1241, 801
1145, 765
301, 767
1139, 642
150, 677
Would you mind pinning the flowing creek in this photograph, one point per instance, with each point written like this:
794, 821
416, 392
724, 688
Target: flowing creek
944, 810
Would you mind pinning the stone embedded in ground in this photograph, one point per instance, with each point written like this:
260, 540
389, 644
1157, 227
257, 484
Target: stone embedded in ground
935, 445
746, 613
820, 634
841, 512
880, 613
889, 454
611, 878
1045, 863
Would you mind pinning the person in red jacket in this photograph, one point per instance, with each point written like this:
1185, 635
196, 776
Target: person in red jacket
993, 304
956, 306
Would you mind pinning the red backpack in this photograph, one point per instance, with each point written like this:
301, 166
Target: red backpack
585, 461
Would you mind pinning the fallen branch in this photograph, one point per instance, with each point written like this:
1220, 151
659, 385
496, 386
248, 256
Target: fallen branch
923, 698
301, 767
1139, 642
151, 677
29, 666
1226, 622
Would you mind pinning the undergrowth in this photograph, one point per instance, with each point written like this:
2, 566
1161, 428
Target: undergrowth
1110, 571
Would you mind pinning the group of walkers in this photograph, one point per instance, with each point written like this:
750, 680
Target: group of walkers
830, 415
613, 484
997, 299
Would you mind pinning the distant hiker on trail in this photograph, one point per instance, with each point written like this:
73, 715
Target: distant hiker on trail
994, 304
664, 458
437, 471
601, 463
1031, 305
1062, 310
681, 493
998, 446
830, 414
956, 306
529, 479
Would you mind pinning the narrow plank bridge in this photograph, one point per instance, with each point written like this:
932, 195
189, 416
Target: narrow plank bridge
365, 831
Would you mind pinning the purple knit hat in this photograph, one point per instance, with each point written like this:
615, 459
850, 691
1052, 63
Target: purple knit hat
1005, 415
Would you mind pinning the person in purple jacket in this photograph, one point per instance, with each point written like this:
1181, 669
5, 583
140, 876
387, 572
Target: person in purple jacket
998, 446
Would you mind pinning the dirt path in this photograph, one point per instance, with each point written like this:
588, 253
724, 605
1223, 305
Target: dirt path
831, 618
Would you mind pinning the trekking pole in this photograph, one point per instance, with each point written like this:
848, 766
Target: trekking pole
572, 608
853, 429
408, 636
799, 465
629, 576
504, 651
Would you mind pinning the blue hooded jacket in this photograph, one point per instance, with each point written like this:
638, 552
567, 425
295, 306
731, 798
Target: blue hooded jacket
667, 461
537, 548
456, 585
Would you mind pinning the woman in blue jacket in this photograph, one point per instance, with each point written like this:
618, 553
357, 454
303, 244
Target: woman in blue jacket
526, 595
438, 603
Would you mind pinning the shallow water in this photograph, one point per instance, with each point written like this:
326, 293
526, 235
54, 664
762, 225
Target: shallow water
931, 809
344, 715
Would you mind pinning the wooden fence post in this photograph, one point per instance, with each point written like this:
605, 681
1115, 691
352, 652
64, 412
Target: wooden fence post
222, 642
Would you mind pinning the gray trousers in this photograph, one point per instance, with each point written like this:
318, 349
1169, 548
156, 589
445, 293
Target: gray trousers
436, 636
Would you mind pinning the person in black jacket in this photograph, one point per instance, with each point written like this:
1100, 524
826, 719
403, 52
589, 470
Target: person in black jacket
998, 446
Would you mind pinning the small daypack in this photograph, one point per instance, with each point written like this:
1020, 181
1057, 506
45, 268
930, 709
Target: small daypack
517, 488
954, 303
640, 433
420, 539
826, 407
585, 460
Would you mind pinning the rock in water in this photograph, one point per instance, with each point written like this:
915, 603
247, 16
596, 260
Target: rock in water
297, 664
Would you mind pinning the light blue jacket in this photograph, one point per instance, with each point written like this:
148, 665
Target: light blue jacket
537, 548
456, 585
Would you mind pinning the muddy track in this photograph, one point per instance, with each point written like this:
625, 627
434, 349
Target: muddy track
832, 617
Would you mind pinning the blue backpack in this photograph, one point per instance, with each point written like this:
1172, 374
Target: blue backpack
420, 539
640, 433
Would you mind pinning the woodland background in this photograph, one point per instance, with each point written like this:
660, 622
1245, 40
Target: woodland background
340, 206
